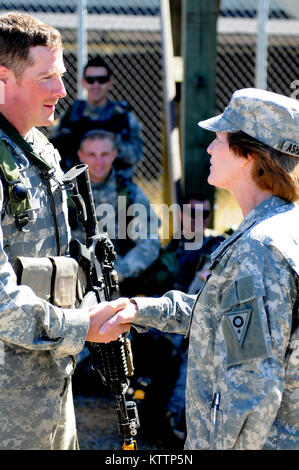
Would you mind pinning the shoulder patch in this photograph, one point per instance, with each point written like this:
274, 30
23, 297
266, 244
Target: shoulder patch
238, 322
246, 333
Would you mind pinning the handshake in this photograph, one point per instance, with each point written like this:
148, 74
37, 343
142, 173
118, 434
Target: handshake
108, 320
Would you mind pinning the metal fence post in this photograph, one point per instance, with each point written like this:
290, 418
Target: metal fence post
81, 44
262, 45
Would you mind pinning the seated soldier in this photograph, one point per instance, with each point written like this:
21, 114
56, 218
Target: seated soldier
117, 199
99, 112
195, 227
186, 254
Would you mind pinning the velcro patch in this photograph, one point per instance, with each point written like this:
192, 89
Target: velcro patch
238, 322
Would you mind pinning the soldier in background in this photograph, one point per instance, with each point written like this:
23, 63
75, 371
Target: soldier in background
243, 357
187, 254
41, 331
99, 112
115, 196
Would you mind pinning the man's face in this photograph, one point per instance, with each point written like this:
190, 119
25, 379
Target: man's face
99, 156
30, 102
96, 91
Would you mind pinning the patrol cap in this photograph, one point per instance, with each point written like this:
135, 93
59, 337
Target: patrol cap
268, 117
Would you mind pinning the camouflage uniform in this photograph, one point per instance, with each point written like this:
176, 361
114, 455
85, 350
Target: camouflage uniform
134, 255
114, 117
243, 379
40, 340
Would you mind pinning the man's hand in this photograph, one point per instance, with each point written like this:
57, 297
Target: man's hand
100, 314
119, 323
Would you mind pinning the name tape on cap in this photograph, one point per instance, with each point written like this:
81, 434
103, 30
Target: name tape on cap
290, 148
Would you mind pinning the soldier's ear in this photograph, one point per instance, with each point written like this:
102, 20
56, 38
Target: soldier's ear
110, 84
79, 153
114, 153
83, 83
4, 80
4, 74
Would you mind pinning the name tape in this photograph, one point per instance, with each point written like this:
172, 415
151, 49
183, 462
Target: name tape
290, 148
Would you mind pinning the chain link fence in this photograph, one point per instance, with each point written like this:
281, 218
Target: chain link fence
237, 46
128, 34
236, 66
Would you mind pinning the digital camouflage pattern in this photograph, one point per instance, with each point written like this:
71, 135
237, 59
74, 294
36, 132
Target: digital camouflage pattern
244, 336
269, 117
114, 117
40, 340
135, 251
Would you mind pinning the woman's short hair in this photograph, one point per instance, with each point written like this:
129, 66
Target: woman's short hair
272, 170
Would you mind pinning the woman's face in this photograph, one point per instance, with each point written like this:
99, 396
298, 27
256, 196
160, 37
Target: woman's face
225, 169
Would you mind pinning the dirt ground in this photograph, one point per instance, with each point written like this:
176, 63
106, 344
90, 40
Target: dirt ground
97, 424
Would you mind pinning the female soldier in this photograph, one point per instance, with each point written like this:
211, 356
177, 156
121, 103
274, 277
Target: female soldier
243, 367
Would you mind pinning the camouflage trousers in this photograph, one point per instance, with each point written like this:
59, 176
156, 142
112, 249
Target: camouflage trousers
38, 418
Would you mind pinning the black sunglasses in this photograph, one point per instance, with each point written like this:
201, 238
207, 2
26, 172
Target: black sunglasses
100, 79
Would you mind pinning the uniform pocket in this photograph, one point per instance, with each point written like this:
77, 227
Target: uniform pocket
35, 273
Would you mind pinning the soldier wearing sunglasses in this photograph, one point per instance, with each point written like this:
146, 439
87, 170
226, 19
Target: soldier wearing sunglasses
99, 112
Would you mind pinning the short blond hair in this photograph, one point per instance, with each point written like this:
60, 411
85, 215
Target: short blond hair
273, 170
18, 33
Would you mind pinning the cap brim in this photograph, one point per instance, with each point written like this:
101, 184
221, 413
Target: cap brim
218, 124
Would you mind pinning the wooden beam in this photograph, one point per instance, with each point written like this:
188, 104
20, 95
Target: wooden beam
199, 44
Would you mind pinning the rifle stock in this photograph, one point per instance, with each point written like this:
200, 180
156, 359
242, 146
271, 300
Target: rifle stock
113, 361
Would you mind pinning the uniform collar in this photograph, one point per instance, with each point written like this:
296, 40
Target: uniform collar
262, 211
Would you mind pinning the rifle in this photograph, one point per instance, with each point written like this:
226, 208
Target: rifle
114, 360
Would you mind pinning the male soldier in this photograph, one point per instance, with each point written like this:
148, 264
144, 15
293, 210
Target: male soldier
99, 112
38, 339
115, 198
193, 267
186, 253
